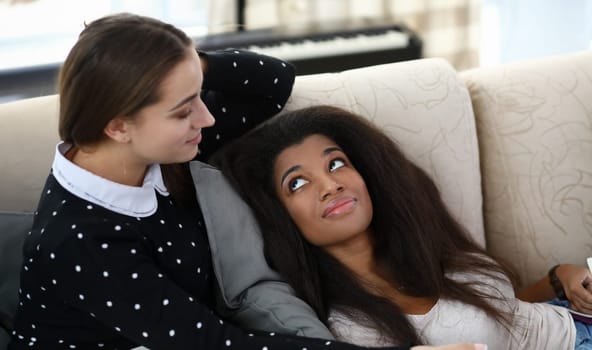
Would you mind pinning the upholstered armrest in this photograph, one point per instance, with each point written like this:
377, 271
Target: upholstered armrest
534, 122
13, 230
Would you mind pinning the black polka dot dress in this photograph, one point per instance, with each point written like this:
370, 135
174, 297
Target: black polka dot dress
109, 266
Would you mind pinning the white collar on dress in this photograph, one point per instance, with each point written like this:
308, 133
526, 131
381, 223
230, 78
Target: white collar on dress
122, 199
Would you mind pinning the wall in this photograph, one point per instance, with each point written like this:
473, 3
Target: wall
508, 30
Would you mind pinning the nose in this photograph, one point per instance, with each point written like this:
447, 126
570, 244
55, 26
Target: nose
202, 118
329, 187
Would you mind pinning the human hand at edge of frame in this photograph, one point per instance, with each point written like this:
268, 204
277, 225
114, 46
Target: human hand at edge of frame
463, 346
577, 284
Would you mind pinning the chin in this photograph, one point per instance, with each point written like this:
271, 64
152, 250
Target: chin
189, 156
179, 159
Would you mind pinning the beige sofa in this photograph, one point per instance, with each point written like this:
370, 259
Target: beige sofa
510, 147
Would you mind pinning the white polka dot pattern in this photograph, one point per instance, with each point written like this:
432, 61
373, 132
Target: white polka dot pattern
95, 279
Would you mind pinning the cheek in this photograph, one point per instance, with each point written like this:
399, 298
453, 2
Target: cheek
303, 216
369, 210
364, 196
171, 132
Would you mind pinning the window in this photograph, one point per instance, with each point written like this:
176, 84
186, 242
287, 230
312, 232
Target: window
37, 33
520, 30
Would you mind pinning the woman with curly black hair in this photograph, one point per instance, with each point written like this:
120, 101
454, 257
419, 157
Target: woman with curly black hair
362, 235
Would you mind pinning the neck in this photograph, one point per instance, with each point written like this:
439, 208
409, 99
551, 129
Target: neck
358, 257
110, 161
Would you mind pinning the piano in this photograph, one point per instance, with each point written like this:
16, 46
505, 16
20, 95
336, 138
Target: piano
324, 47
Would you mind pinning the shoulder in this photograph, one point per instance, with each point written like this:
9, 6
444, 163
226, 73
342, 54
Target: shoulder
351, 328
64, 222
492, 283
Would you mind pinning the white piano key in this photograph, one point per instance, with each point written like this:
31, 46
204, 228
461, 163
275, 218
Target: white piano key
336, 46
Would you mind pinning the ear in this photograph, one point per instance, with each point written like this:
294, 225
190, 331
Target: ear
117, 130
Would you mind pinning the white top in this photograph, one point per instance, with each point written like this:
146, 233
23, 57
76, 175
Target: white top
537, 326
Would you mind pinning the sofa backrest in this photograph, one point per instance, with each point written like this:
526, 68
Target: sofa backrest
425, 107
28, 135
534, 121
422, 104
28, 128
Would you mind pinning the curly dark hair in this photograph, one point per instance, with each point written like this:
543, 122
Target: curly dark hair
415, 238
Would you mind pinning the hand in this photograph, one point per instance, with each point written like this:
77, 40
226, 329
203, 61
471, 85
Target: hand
577, 284
465, 346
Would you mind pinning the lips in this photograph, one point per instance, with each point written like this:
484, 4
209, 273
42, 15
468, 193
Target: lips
340, 206
196, 140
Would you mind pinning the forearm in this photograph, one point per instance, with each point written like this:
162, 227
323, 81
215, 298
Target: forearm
241, 72
241, 89
571, 280
539, 291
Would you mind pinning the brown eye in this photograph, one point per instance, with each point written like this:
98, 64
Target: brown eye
296, 183
336, 164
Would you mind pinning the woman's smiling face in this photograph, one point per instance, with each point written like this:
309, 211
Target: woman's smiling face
324, 194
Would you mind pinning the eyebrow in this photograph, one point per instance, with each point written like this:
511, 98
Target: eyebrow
184, 101
292, 169
329, 150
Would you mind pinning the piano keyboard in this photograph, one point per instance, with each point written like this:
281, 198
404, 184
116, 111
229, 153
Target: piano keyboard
336, 46
326, 48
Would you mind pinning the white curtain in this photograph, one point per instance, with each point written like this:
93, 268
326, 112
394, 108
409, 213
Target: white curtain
448, 28
222, 16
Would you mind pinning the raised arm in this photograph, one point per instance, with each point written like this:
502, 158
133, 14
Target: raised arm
241, 89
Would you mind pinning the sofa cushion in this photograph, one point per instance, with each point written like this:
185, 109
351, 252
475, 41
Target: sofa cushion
28, 135
425, 107
253, 294
13, 230
535, 135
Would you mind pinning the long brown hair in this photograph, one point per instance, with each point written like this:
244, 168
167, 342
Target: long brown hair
414, 235
114, 70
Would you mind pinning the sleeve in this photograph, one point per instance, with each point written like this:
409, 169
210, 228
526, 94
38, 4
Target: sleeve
107, 271
241, 89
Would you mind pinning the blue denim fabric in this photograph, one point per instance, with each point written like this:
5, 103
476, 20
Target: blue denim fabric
583, 330
583, 336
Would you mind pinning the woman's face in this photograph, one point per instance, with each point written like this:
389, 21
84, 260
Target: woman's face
324, 194
169, 131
